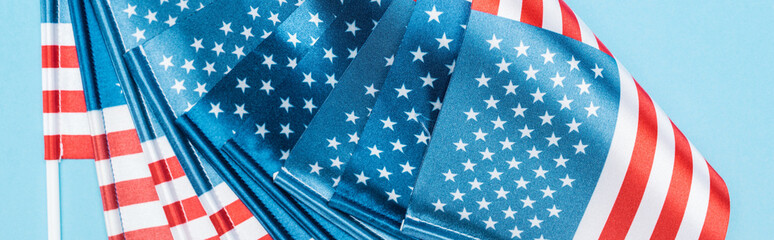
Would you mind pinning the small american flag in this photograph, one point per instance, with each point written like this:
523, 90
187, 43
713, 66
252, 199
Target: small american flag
543, 136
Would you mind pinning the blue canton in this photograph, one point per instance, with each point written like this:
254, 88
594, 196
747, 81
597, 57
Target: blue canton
522, 138
141, 20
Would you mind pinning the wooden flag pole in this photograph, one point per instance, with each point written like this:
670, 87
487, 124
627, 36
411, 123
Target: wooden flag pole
52, 199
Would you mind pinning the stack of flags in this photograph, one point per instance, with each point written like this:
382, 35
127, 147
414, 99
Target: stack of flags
363, 119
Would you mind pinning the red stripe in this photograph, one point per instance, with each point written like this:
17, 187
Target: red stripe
50, 101
175, 169
51, 147
679, 187
54, 56
120, 236
175, 214
265, 237
76, 147
532, 12
160, 232
100, 147
487, 6
221, 222
570, 26
136, 191
160, 172
602, 46
716, 222
636, 179
193, 208
72, 102
122, 143
109, 201
238, 212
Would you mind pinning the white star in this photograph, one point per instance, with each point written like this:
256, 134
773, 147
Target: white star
293, 38
509, 213
167, 62
486, 154
535, 222
402, 91
242, 84
238, 51
412, 115
178, 85
491, 103
510, 88
584, 87
215, 109
286, 130
197, 44
494, 174
353, 138
490, 224
329, 54
352, 53
597, 71
308, 79
336, 181
464, 214
130, 10
469, 166
210, 68
315, 168
457, 195
443, 42
392, 196
183, 4
546, 119
371, 90
507, 144
361, 178
548, 56
540, 172
389, 60
274, 18
332, 143
548, 192
483, 80
335, 162
475, 184
286, 104
558, 80
537, 96
267, 87
567, 181
200, 88
483, 204
253, 12
437, 104
375, 151
534, 153
383, 173
352, 27
388, 124
561, 161
592, 110
521, 49
449, 176
531, 73
521, 184
518, 111
240, 110
315, 19
268, 61
218, 49
565, 103
282, 1
499, 123
397, 146
378, 2
261, 130
247, 32
139, 34
433, 15
428, 80
573, 64
553, 140
266, 35
503, 67
407, 168
451, 66
226, 28
285, 154
494, 42
515, 232
502, 193
480, 135
553, 212
418, 54
439, 205
422, 138
580, 148
351, 117
526, 132
461, 145
171, 21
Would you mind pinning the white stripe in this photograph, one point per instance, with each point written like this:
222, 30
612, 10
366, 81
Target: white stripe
163, 147
552, 16
174, 191
698, 199
658, 181
210, 202
616, 164
113, 222
104, 172
57, 34
249, 229
142, 215
96, 125
587, 36
117, 118
66, 124
510, 9
129, 167
200, 228
225, 194
68, 79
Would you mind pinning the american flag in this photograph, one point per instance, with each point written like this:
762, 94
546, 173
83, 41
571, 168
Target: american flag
544, 135
377, 182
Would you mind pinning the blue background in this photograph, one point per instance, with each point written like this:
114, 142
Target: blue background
708, 65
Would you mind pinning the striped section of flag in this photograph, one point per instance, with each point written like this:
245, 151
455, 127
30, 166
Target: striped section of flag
553, 15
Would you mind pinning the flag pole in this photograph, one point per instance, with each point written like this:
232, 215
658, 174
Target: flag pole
52, 199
